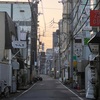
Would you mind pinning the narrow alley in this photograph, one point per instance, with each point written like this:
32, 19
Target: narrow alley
48, 89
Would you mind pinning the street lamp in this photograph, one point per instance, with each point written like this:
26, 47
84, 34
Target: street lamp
94, 45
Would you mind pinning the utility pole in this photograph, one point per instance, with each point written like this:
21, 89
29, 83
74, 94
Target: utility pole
34, 11
71, 43
59, 51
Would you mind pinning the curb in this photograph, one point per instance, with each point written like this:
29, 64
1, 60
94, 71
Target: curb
79, 93
18, 93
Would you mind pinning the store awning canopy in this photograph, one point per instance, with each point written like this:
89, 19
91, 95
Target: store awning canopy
93, 43
95, 38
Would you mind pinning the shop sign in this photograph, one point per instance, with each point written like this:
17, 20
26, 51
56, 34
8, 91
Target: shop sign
94, 17
19, 44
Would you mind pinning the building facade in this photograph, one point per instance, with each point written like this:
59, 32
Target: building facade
75, 32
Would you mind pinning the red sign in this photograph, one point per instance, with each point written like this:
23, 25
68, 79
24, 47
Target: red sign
94, 17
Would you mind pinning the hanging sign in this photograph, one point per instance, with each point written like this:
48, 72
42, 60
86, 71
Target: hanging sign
19, 44
94, 17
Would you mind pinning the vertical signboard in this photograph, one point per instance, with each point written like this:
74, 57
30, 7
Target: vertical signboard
94, 17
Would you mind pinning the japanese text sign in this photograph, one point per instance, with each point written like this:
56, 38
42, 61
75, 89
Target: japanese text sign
94, 17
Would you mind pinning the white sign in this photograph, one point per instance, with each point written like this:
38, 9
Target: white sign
19, 44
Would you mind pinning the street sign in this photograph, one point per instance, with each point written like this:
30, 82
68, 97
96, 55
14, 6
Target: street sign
94, 17
19, 44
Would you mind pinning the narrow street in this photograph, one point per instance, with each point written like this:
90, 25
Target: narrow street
48, 89
59, 39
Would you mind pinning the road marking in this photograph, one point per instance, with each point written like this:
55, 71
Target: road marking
25, 91
72, 92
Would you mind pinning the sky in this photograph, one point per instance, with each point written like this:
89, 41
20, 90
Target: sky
50, 10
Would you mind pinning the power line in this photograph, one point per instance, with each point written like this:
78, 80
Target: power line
33, 13
80, 16
86, 20
74, 7
51, 8
43, 16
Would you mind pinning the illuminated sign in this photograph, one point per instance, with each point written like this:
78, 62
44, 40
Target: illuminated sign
94, 17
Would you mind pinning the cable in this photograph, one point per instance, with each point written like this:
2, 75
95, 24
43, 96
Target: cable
43, 16
80, 17
74, 7
71, 23
77, 12
51, 8
33, 14
74, 16
86, 19
76, 24
66, 48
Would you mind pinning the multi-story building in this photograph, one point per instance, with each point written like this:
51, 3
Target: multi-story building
92, 76
8, 61
56, 61
76, 30
49, 69
42, 62
21, 14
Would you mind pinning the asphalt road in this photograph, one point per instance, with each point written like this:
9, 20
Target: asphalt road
48, 89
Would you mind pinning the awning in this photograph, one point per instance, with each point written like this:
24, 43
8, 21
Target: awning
93, 43
95, 38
